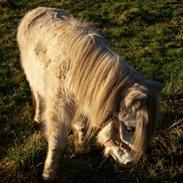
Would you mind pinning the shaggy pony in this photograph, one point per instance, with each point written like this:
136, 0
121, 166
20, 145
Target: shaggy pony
78, 82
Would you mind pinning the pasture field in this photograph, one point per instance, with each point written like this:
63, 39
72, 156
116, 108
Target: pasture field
149, 35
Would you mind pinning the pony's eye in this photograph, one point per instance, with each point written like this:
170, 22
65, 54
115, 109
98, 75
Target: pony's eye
129, 128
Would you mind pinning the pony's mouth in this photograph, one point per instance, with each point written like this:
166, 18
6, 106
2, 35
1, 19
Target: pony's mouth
115, 134
116, 143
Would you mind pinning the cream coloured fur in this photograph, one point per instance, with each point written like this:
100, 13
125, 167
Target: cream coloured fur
78, 81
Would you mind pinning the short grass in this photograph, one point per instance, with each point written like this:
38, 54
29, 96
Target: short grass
149, 34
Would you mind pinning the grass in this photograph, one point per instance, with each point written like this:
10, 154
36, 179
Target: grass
149, 36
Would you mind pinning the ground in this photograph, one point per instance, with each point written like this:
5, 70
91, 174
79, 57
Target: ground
149, 35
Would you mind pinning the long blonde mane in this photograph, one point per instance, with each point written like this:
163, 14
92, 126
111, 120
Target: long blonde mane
98, 75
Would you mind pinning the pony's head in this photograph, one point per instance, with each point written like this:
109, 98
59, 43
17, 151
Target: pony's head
129, 132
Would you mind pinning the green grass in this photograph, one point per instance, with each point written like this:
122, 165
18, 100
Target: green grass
148, 34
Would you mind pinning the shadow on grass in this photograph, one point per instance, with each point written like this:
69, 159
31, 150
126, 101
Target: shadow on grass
162, 162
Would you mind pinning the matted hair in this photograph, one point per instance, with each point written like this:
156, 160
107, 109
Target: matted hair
98, 76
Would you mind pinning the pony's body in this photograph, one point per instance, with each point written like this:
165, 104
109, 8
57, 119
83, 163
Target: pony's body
76, 80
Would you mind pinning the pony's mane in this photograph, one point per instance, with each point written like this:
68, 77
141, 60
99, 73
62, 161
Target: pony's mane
98, 75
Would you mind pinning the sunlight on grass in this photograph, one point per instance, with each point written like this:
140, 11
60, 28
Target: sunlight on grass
24, 159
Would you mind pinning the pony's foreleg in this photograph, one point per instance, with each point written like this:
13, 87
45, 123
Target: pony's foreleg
81, 143
58, 122
38, 104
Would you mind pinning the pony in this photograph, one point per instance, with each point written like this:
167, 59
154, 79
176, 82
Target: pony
79, 83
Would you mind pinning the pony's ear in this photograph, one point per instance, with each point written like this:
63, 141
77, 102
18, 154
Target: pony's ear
154, 85
135, 97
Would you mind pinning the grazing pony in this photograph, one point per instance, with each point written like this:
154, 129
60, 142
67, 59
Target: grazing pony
79, 83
